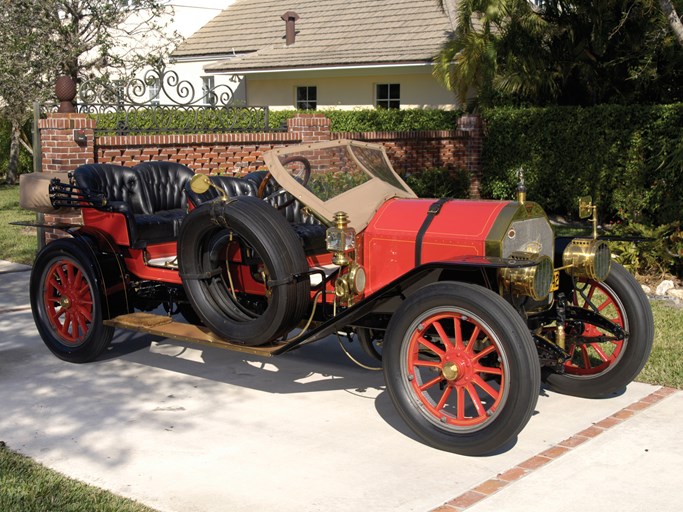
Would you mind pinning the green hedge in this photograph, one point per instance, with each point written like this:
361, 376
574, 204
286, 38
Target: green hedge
378, 120
165, 120
629, 158
359, 120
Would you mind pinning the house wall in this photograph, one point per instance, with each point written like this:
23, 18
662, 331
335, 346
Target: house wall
348, 92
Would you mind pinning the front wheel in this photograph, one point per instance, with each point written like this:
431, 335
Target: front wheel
598, 368
461, 368
66, 302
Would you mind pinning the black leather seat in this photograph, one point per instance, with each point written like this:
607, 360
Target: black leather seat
150, 195
165, 183
233, 187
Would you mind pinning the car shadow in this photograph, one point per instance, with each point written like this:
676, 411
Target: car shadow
320, 366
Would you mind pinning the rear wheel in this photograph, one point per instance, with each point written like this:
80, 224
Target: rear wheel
66, 303
461, 368
599, 368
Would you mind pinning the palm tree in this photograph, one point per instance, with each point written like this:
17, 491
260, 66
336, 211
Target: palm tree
565, 51
478, 57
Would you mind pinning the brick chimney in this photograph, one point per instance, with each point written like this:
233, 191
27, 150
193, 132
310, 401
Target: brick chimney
290, 18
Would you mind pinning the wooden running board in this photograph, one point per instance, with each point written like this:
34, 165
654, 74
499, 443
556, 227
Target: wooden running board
161, 325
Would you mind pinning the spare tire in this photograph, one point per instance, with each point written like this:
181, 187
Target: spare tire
249, 229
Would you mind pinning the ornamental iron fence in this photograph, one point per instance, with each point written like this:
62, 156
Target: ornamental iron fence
160, 102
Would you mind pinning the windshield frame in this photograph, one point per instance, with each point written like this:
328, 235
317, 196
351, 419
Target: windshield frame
359, 202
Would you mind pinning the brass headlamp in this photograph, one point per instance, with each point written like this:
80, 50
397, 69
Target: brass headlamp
341, 239
587, 258
533, 281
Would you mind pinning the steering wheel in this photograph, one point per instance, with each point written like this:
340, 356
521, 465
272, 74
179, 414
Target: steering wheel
281, 191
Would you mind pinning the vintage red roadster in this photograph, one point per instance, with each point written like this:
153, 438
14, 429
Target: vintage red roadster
469, 304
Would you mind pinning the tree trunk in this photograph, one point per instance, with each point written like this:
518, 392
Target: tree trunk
15, 146
673, 18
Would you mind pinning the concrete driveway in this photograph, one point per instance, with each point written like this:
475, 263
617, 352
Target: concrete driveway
182, 427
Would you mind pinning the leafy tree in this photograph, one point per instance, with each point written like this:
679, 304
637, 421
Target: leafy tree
41, 39
26, 68
110, 36
581, 52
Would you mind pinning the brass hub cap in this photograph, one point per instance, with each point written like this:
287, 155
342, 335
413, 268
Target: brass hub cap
65, 302
450, 371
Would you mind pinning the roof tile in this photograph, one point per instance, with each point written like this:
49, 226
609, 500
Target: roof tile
329, 32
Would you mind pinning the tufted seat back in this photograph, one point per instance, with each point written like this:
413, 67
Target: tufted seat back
165, 183
117, 183
294, 212
150, 196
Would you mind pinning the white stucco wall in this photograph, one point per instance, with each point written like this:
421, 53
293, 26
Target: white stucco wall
418, 90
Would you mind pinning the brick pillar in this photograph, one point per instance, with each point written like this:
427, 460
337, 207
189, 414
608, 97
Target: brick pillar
310, 127
473, 126
62, 152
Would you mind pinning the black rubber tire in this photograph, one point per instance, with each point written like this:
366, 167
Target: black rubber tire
630, 299
496, 420
203, 237
66, 302
188, 313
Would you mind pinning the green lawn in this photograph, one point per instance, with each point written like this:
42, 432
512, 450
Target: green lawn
17, 243
26, 486
665, 366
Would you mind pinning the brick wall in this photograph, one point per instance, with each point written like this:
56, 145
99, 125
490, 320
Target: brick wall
473, 126
238, 153
231, 153
62, 153
412, 152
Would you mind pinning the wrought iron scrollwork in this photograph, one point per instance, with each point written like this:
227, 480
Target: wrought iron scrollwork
157, 84
160, 101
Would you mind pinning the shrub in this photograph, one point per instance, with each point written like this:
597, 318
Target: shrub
25, 159
659, 250
181, 120
629, 158
244, 119
440, 183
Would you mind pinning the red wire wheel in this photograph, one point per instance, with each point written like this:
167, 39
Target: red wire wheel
605, 366
594, 358
68, 300
456, 368
461, 367
67, 303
